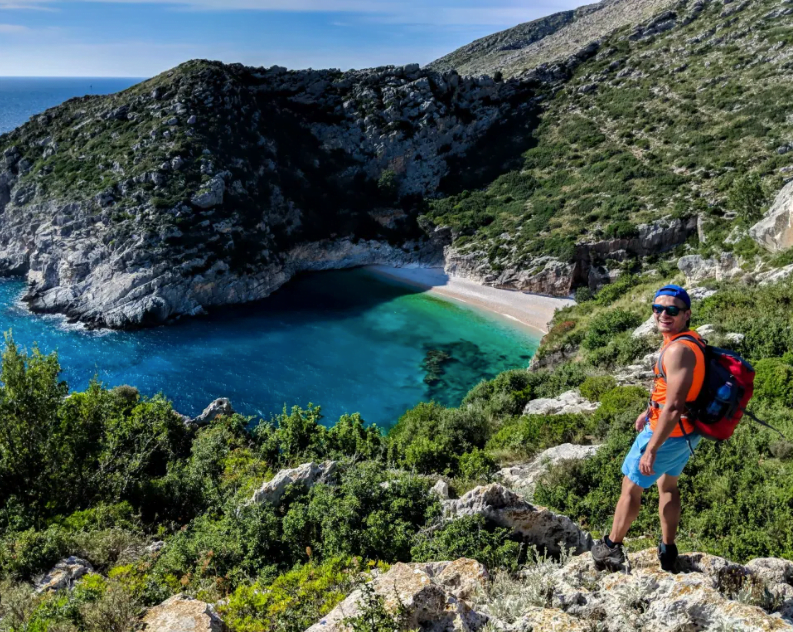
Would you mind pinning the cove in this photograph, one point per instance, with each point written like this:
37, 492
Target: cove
349, 341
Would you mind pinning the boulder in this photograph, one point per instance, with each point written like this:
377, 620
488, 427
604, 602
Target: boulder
433, 597
697, 268
706, 330
647, 328
775, 231
64, 574
734, 338
569, 402
772, 570
525, 476
700, 293
211, 195
538, 525
307, 474
441, 489
182, 614
217, 408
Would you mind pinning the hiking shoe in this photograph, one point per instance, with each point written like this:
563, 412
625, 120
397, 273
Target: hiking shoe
608, 558
667, 555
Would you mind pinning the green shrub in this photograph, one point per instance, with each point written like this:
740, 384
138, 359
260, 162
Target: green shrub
595, 386
619, 408
774, 381
528, 435
477, 465
295, 600
430, 437
605, 325
470, 537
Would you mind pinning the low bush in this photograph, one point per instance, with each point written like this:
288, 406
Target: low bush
295, 600
605, 325
595, 386
470, 537
528, 435
774, 381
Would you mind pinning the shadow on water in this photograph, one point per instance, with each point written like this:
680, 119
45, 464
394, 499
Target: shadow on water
318, 296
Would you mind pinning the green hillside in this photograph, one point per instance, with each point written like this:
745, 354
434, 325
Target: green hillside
693, 121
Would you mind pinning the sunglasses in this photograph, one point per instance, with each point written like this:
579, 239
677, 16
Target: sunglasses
672, 310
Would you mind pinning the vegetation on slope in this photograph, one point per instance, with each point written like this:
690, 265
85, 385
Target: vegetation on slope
691, 121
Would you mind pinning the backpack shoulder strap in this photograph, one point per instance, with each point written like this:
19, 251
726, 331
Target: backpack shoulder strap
762, 423
660, 364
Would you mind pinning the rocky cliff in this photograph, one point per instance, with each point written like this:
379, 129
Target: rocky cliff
214, 184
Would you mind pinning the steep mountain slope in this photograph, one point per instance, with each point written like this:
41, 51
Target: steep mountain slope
681, 124
213, 184
547, 40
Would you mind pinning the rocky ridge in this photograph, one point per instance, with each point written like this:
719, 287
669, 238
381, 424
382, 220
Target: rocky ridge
550, 39
214, 184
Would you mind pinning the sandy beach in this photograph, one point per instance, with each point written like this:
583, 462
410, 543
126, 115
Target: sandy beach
531, 310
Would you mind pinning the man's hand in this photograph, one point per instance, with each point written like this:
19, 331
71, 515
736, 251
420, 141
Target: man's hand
641, 421
646, 463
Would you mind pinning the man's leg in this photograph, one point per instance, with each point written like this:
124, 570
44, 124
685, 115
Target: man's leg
668, 507
628, 507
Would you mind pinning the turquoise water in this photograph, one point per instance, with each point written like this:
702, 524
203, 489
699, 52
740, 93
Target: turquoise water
350, 341
22, 97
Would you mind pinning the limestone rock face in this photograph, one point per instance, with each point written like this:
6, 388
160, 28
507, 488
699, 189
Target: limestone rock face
549, 275
526, 476
697, 268
64, 574
649, 599
182, 614
220, 407
569, 402
433, 595
539, 526
775, 230
307, 474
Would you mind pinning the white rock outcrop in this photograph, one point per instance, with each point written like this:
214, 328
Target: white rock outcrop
538, 525
569, 402
182, 614
700, 597
307, 475
433, 596
775, 230
647, 328
525, 476
697, 268
219, 407
441, 489
64, 574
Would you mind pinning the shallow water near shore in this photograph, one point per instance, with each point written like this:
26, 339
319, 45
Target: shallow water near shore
349, 341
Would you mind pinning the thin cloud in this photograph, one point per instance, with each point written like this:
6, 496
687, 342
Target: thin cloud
13, 28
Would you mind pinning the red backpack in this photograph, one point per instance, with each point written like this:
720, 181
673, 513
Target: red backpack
726, 390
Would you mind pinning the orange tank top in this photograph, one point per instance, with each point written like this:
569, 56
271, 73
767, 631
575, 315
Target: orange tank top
659, 385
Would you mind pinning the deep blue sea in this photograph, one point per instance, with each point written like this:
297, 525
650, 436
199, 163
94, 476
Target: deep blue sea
23, 97
349, 341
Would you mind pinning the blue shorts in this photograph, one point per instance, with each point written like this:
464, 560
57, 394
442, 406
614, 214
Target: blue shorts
671, 458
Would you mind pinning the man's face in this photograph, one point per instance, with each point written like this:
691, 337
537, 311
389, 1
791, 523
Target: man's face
671, 324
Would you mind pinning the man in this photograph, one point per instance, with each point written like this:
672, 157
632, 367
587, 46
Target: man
666, 437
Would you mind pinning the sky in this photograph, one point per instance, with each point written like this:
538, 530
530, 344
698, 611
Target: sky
141, 38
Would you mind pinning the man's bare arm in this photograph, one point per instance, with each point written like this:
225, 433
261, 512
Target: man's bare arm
679, 362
